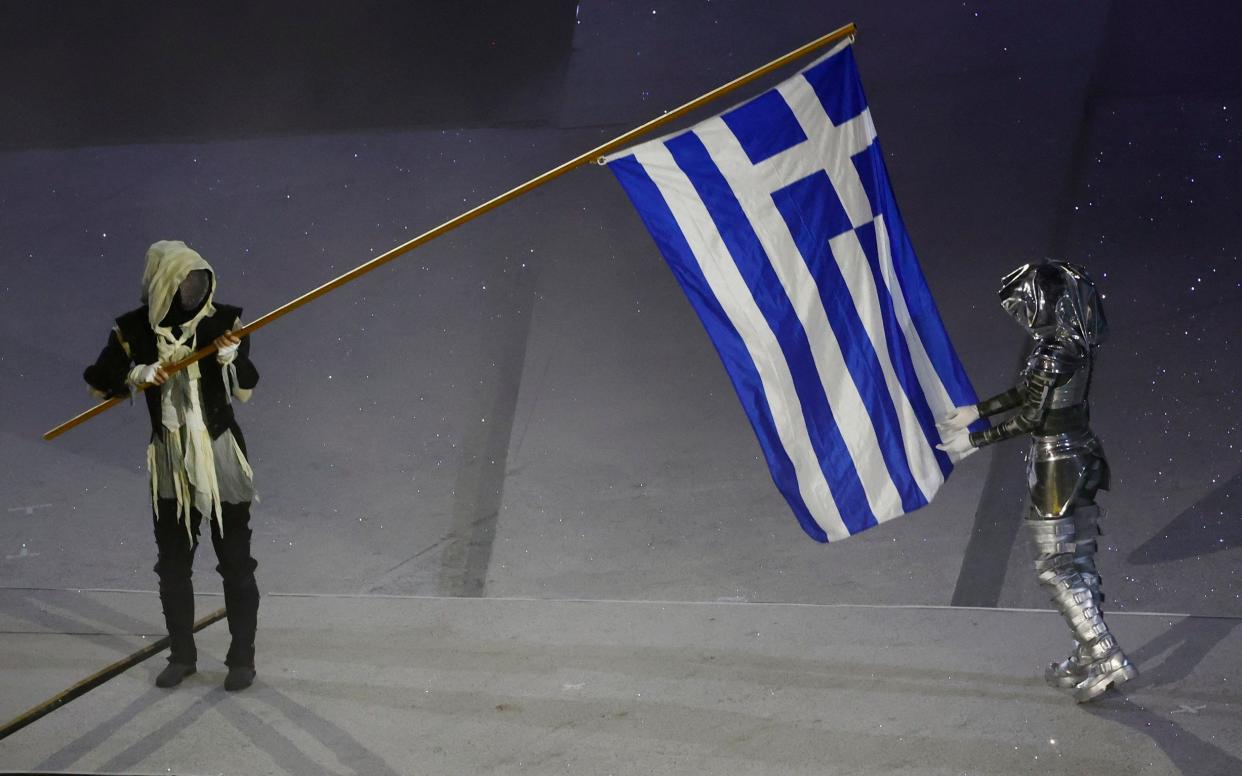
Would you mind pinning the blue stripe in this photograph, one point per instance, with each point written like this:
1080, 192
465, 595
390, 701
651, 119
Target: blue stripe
919, 302
744, 247
869, 163
899, 350
765, 126
659, 220
806, 206
836, 83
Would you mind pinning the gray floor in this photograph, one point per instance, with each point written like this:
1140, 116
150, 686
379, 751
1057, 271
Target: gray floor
456, 685
527, 411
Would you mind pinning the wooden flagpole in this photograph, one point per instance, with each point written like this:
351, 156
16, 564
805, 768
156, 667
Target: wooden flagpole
594, 155
96, 679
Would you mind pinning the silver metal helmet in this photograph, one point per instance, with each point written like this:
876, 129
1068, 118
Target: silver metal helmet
1055, 299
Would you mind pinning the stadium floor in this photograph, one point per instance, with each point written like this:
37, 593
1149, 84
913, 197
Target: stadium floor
397, 685
513, 518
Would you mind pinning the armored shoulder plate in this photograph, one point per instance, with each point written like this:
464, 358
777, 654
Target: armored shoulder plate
1071, 364
1055, 356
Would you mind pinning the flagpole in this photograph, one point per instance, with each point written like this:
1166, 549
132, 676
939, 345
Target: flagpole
595, 155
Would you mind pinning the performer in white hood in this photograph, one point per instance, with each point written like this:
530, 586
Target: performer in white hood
197, 455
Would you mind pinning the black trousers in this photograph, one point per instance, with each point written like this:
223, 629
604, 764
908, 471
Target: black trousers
175, 567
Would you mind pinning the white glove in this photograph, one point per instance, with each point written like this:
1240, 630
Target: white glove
146, 374
226, 354
958, 419
957, 445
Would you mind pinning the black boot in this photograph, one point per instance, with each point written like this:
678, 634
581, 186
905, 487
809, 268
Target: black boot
174, 568
241, 592
173, 673
239, 678
178, 604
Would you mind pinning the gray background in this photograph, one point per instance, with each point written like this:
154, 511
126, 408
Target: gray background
529, 408
513, 519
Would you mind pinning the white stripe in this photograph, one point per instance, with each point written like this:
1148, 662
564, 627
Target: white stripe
838, 145
937, 395
734, 296
828, 148
835, 148
852, 260
844, 399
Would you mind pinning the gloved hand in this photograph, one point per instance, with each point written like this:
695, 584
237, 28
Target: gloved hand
957, 444
146, 374
226, 348
957, 420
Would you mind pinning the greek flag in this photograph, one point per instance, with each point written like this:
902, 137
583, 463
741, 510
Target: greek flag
779, 222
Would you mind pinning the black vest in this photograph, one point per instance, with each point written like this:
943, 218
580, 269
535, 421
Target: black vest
217, 411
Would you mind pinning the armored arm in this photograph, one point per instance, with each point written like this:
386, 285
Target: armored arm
1051, 364
1002, 402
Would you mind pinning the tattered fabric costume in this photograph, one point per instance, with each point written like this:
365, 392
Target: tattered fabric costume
185, 462
197, 454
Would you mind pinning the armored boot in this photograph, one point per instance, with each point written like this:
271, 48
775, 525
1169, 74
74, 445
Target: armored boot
1107, 667
1097, 652
1069, 671
1106, 671
1073, 669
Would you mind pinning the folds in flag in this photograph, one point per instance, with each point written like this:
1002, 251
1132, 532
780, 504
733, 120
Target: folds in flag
779, 222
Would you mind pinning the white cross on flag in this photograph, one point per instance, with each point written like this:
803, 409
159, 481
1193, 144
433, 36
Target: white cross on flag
779, 222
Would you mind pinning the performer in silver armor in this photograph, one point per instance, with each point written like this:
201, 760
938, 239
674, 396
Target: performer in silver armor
1057, 303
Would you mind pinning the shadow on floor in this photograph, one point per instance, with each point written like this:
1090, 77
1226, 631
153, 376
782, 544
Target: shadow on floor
1184, 646
285, 752
1210, 525
86, 743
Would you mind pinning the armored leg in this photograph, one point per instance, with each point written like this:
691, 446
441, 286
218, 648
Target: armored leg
1073, 670
1066, 571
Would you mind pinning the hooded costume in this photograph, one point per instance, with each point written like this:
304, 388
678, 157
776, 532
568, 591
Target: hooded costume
1057, 304
197, 454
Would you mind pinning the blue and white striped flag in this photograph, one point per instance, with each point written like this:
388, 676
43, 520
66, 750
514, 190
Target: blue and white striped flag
779, 222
